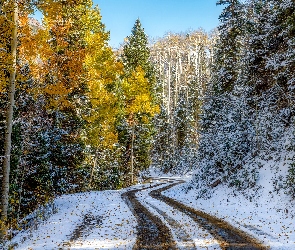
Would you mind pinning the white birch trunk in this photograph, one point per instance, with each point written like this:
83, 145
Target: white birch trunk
9, 117
176, 82
92, 169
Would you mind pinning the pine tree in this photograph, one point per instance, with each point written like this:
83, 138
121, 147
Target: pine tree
229, 45
136, 52
257, 47
135, 126
225, 131
248, 104
281, 63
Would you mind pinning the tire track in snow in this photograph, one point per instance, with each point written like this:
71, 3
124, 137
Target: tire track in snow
181, 234
82, 230
187, 233
229, 237
152, 233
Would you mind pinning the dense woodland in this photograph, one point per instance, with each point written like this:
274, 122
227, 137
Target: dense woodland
248, 111
77, 115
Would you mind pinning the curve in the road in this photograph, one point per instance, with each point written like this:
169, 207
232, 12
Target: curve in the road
230, 238
152, 233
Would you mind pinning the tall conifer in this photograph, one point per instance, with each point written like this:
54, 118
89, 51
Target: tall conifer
135, 128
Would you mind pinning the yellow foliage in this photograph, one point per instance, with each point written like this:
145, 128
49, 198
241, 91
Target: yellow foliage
5, 42
26, 46
62, 46
101, 69
137, 95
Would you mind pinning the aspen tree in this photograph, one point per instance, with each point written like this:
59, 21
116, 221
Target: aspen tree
184, 72
102, 76
9, 120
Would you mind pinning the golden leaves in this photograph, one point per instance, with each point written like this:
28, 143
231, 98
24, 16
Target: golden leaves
62, 46
68, 58
101, 69
6, 59
137, 95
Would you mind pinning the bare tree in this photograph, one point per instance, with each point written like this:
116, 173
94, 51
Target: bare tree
182, 61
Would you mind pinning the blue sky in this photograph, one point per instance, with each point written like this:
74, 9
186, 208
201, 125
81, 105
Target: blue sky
157, 16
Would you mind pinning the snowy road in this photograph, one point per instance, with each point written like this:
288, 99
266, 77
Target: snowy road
193, 229
187, 233
135, 218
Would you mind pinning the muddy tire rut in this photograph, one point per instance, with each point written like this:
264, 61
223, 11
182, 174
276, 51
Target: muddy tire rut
228, 236
179, 231
152, 233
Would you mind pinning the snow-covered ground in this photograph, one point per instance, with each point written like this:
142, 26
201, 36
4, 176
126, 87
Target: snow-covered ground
114, 229
108, 223
269, 215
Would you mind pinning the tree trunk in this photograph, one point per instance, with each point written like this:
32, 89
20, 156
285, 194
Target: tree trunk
9, 117
169, 82
132, 154
93, 169
176, 80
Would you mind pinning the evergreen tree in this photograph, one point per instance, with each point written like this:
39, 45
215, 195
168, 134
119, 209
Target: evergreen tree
226, 131
136, 53
281, 42
281, 63
248, 104
257, 47
135, 127
229, 45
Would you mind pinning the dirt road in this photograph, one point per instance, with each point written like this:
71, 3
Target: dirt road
164, 223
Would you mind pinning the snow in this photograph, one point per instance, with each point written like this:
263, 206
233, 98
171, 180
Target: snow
156, 173
186, 232
265, 213
116, 230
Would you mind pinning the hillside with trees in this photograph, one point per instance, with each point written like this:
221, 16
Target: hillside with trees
77, 115
182, 62
248, 112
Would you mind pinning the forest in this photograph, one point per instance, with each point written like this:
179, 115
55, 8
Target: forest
77, 115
